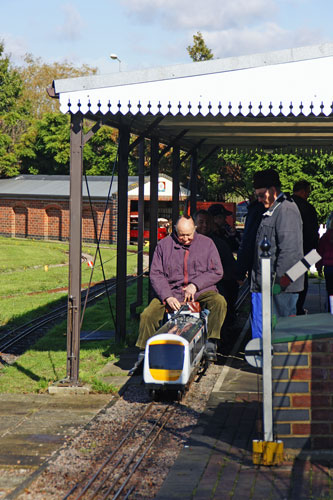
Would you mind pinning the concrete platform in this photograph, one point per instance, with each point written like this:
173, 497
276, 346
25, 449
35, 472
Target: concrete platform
34, 427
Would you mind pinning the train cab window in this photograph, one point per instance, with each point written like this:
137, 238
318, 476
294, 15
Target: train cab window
171, 358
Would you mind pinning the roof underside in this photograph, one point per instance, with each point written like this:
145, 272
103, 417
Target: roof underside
284, 104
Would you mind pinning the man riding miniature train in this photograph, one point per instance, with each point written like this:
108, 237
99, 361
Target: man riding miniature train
186, 267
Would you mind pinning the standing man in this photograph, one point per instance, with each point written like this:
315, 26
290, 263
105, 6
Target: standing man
282, 224
186, 267
301, 192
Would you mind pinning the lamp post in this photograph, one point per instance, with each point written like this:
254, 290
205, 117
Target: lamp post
116, 58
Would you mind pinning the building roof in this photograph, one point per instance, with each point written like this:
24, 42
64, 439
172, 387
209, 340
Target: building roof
57, 186
278, 99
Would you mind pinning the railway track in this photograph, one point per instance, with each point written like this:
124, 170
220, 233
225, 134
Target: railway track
14, 338
117, 476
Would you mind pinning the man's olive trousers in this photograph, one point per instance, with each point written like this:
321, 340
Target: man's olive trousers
152, 315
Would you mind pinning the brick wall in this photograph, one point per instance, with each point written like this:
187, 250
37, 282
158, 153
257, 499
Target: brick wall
42, 219
303, 393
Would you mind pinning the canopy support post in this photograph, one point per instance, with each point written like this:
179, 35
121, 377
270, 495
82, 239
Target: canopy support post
122, 234
141, 207
193, 182
175, 184
75, 247
153, 201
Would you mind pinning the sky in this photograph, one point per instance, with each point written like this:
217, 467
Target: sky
150, 33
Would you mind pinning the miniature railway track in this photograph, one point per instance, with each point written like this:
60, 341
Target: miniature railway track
116, 476
122, 468
19, 334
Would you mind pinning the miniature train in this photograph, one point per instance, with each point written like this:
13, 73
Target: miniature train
175, 354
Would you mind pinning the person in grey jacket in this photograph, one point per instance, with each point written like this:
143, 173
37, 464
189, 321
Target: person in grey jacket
186, 266
282, 224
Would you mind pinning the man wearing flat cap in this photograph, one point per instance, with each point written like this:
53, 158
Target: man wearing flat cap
221, 228
282, 224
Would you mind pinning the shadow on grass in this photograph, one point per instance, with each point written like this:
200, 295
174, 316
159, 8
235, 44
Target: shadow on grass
28, 373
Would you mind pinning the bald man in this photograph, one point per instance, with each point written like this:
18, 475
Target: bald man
186, 267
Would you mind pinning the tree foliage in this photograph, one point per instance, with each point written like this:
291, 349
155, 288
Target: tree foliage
199, 50
38, 76
231, 175
13, 115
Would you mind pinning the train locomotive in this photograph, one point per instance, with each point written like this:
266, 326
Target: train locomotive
175, 354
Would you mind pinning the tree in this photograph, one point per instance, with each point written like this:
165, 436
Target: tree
38, 75
199, 50
45, 147
14, 116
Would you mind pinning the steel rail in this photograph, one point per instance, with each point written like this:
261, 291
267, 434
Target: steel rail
109, 458
138, 463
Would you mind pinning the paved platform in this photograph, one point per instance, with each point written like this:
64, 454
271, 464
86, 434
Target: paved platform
215, 463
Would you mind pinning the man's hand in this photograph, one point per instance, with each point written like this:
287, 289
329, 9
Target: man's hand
284, 282
173, 303
189, 292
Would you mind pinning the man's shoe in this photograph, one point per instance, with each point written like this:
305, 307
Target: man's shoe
210, 351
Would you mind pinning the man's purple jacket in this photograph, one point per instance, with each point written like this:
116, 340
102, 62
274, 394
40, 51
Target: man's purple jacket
175, 265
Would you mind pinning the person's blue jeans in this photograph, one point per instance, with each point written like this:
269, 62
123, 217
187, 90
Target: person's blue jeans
284, 304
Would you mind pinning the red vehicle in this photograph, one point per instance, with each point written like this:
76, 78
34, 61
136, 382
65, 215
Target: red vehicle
162, 230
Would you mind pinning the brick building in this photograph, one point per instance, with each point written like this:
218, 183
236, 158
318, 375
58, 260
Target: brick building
37, 206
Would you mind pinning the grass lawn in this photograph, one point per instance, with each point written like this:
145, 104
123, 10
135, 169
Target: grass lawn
25, 286
25, 282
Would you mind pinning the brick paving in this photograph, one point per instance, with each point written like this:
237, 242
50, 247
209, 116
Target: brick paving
216, 463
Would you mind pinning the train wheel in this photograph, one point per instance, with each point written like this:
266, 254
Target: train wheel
179, 395
153, 394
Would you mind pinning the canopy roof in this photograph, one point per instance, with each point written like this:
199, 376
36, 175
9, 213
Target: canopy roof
281, 100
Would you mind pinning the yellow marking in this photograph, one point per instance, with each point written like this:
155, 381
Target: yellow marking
166, 375
160, 342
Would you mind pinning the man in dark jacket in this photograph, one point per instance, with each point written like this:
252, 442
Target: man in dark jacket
245, 252
186, 266
229, 234
282, 224
300, 196
228, 285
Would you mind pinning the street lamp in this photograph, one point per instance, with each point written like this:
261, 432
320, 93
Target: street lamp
116, 58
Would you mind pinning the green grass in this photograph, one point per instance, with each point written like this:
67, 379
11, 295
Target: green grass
25, 283
25, 286
45, 362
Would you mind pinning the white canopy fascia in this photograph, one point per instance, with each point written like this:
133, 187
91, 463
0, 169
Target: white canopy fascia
281, 86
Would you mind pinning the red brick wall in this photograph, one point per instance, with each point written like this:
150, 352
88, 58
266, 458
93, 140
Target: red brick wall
42, 219
303, 386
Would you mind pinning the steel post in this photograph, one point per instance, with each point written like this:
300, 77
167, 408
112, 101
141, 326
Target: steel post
153, 206
122, 234
75, 246
194, 182
140, 241
175, 184
267, 339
